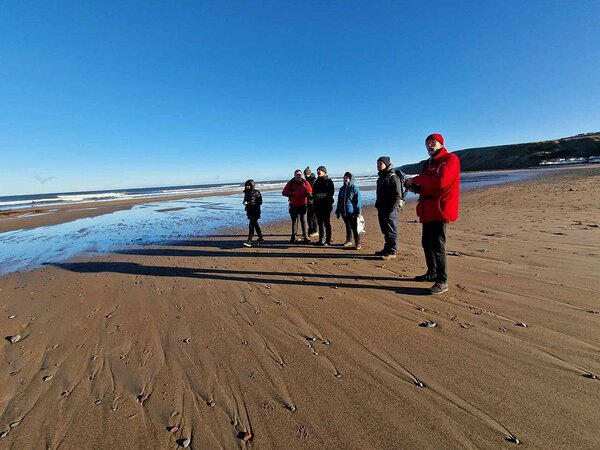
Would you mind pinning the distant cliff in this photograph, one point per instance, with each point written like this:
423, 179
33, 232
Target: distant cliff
520, 156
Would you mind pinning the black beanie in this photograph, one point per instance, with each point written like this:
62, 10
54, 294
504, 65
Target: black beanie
322, 169
385, 160
348, 174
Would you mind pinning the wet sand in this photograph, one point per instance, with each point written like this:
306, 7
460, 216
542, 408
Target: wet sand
28, 218
302, 347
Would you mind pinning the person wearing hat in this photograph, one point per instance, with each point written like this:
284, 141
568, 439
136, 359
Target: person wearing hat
349, 208
323, 191
438, 187
252, 202
298, 190
311, 217
388, 203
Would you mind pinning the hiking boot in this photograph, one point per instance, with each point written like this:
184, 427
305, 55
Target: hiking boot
347, 244
292, 239
313, 234
388, 256
381, 252
320, 243
425, 277
260, 239
438, 288
247, 243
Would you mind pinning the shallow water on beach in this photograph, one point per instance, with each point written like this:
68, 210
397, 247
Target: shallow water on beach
161, 222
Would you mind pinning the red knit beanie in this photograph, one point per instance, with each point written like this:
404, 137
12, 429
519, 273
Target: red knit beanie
437, 137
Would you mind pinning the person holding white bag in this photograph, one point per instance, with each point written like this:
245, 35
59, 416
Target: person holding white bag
349, 208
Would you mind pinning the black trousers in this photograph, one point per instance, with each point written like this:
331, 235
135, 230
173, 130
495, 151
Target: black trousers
252, 226
434, 247
311, 217
298, 212
389, 228
351, 223
324, 222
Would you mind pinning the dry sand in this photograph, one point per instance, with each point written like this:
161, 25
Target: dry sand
305, 347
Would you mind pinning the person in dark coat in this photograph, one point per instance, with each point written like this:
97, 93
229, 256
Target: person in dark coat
323, 203
438, 187
311, 217
349, 207
252, 202
388, 203
298, 190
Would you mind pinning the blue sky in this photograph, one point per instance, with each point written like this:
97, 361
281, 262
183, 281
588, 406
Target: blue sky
102, 95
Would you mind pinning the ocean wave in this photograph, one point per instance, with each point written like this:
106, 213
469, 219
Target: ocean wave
149, 193
77, 198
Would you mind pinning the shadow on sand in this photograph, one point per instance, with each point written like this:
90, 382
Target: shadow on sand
272, 278
231, 249
214, 248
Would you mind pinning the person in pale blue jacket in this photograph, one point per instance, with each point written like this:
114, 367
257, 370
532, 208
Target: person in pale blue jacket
349, 208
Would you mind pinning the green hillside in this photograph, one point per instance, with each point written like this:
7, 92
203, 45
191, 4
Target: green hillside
520, 156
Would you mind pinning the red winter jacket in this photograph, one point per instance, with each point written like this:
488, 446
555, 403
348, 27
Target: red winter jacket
438, 186
297, 192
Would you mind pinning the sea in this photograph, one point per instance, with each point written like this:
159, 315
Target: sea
168, 221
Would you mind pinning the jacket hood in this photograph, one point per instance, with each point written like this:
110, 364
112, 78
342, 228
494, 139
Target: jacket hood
388, 169
250, 183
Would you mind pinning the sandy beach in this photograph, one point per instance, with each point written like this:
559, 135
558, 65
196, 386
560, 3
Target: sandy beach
296, 347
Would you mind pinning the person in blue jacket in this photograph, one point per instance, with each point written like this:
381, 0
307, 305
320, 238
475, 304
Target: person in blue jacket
349, 208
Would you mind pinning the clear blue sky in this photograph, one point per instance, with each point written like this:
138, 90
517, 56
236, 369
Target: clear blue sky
116, 94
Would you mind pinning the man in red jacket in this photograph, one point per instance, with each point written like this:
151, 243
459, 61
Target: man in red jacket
438, 188
298, 190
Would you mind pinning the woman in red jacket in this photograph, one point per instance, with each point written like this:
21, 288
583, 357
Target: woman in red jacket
298, 190
438, 189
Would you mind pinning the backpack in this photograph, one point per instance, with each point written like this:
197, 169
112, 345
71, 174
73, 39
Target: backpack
402, 177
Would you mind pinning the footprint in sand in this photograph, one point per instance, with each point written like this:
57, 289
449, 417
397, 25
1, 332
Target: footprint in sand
269, 407
302, 432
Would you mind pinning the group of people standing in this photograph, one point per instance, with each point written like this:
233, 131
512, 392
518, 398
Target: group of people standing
311, 200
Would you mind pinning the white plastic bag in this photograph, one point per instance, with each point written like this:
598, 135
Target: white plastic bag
361, 225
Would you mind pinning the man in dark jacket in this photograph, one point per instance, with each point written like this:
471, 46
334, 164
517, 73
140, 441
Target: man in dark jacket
298, 190
323, 191
438, 188
252, 202
311, 217
389, 197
